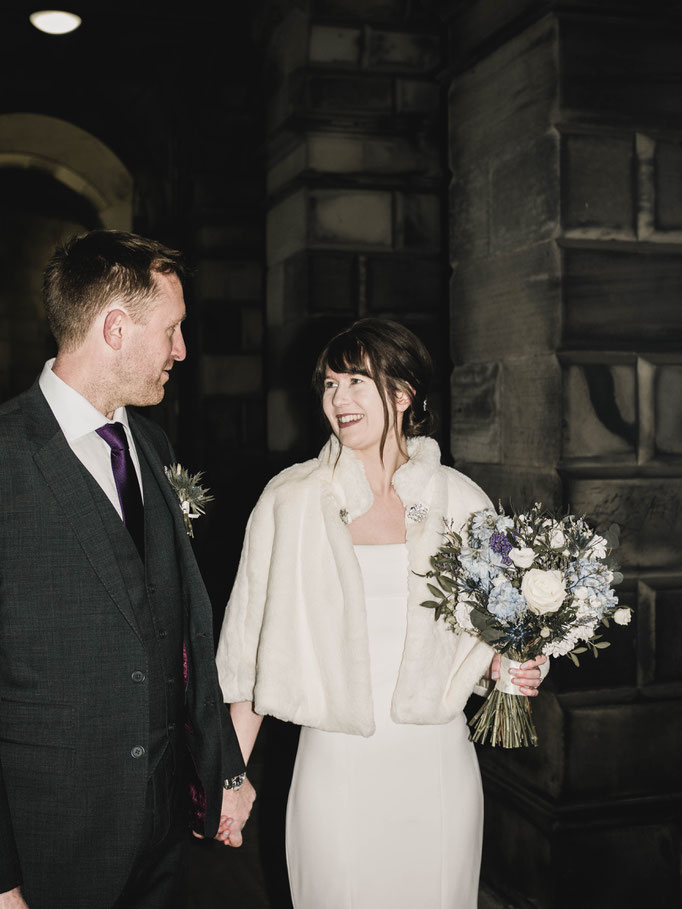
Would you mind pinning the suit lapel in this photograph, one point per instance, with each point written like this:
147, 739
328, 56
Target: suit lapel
65, 476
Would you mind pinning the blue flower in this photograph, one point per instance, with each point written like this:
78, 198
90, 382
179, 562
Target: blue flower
506, 602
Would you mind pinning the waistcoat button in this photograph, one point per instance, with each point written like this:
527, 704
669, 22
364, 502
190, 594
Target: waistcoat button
138, 676
137, 752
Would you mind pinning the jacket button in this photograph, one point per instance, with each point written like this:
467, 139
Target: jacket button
137, 752
138, 676
151, 588
163, 633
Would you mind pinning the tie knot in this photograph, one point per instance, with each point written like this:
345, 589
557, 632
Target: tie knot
114, 435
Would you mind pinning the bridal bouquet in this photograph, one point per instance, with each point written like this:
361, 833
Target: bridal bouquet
529, 584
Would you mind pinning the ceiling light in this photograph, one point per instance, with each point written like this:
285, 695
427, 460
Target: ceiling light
55, 21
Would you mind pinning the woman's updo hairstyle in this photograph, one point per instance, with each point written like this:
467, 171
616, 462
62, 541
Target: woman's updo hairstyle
396, 361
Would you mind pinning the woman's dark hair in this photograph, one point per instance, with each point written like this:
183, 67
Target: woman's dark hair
395, 360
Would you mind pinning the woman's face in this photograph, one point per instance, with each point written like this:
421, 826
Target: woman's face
352, 404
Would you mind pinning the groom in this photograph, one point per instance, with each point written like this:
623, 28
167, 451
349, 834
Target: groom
109, 699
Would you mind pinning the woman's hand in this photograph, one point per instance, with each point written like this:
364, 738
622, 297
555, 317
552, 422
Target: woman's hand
528, 677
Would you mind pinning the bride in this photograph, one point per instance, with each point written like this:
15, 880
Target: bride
324, 628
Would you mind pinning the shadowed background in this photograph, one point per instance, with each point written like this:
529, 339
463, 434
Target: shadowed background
505, 179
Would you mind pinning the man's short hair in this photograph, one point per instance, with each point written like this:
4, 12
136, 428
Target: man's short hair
91, 270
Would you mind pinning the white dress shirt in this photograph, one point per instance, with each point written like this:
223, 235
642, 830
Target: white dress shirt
78, 420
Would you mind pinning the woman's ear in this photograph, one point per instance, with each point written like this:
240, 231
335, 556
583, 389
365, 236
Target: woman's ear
404, 398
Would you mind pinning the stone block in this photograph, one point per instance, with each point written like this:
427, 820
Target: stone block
286, 228
363, 10
415, 96
318, 282
355, 218
335, 44
229, 280
647, 734
336, 92
524, 195
397, 155
508, 96
469, 213
231, 375
252, 327
515, 486
530, 411
403, 284
626, 71
335, 154
621, 299
287, 168
667, 634
417, 222
668, 185
660, 408
475, 433
600, 411
647, 510
401, 51
244, 233
598, 181
506, 305
231, 424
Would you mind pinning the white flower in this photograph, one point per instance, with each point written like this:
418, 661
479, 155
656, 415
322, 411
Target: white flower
597, 547
544, 591
557, 538
462, 612
581, 593
545, 632
622, 616
499, 580
522, 558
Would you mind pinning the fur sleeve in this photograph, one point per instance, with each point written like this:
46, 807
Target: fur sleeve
240, 634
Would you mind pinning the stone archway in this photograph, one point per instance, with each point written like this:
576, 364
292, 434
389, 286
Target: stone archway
55, 180
74, 158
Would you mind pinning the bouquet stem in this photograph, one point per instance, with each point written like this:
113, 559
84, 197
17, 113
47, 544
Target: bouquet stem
505, 717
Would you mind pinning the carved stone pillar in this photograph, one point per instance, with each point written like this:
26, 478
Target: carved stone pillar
353, 189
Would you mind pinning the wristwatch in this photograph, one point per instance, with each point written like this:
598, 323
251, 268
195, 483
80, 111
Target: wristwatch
234, 782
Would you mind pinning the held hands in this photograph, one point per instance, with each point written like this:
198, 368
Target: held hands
237, 804
529, 677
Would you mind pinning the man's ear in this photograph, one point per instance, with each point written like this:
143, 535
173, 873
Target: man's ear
113, 328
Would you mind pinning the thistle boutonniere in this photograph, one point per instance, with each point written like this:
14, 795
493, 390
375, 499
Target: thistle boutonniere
191, 495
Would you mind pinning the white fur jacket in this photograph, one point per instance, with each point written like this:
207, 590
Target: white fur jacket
295, 640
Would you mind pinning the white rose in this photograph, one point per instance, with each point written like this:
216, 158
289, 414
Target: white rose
544, 591
522, 558
597, 547
622, 616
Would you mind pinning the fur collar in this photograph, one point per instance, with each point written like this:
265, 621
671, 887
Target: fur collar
350, 487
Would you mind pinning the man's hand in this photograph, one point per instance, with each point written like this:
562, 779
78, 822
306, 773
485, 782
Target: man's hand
12, 899
237, 804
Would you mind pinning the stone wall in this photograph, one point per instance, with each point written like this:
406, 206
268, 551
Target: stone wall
566, 153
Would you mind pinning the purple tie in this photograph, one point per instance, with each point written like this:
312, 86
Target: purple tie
126, 481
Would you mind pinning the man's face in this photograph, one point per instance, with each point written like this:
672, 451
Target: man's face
154, 344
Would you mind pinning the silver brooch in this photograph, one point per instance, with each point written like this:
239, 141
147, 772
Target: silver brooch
345, 517
417, 513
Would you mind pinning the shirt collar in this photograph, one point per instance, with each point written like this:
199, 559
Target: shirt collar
75, 414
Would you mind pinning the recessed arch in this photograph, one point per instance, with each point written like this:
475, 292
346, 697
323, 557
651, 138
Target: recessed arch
73, 157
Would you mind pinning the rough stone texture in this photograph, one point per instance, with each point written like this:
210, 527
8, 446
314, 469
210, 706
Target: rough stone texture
567, 388
231, 375
598, 183
606, 294
354, 212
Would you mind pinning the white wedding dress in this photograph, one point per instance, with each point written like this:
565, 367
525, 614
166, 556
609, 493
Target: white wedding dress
393, 821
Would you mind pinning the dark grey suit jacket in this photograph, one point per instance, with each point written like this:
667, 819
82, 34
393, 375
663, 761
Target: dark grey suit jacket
71, 792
